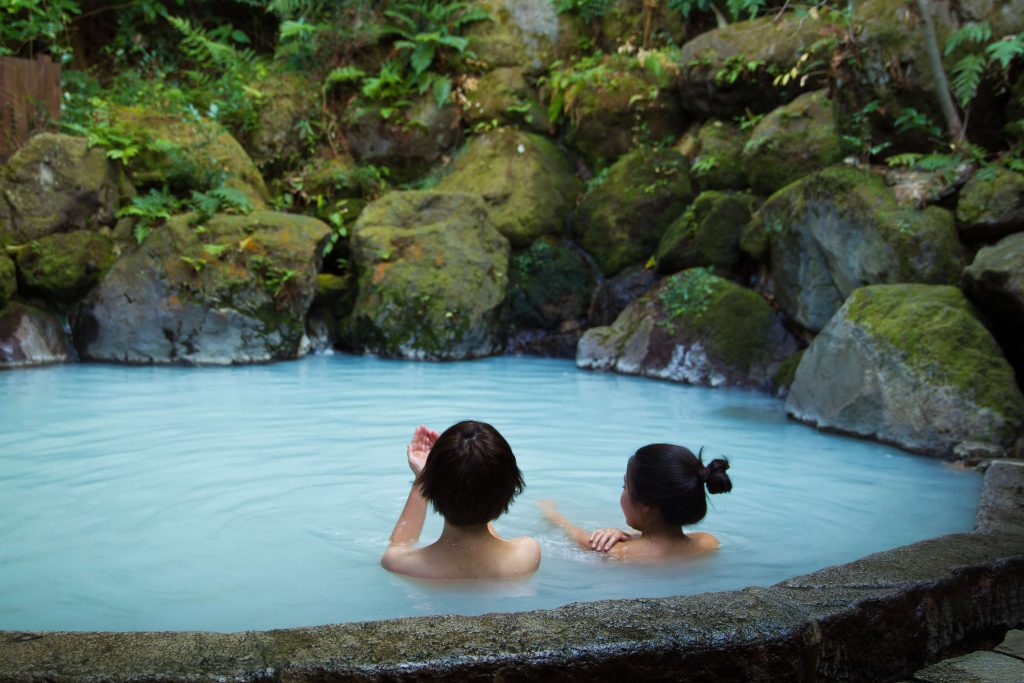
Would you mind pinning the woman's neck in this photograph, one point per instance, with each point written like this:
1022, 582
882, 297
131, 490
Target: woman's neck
658, 529
466, 537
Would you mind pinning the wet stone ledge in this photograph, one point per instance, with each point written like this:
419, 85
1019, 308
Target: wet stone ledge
880, 618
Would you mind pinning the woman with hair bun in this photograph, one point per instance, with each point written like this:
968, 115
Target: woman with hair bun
665, 488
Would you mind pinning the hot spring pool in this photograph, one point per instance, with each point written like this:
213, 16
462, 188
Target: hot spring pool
262, 497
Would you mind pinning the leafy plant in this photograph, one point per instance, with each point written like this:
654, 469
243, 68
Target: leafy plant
29, 27
149, 209
686, 294
197, 263
586, 10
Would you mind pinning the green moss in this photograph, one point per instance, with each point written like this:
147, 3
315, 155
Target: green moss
719, 163
61, 268
622, 217
987, 198
783, 378
735, 322
792, 141
548, 283
707, 234
941, 339
8, 280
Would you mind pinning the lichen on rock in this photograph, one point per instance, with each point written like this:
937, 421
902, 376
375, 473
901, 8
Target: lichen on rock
911, 365
528, 185
235, 292
57, 183
718, 160
693, 327
432, 278
991, 205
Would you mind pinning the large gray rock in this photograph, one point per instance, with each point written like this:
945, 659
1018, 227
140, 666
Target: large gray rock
842, 228
696, 328
991, 205
57, 183
613, 295
995, 282
237, 293
31, 337
432, 278
520, 33
527, 183
910, 365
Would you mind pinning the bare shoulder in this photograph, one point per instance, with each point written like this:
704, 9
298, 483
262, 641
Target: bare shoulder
526, 551
402, 559
704, 540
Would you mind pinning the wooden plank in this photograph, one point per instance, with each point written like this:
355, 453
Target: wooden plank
29, 100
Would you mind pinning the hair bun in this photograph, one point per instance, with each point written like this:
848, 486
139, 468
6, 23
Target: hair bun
714, 476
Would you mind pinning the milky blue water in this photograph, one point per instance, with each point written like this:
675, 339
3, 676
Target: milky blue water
262, 497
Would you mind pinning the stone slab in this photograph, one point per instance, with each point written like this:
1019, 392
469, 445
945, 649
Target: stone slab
1002, 499
1013, 644
977, 667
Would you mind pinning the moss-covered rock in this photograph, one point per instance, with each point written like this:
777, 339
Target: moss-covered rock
692, 327
62, 268
408, 141
612, 295
335, 298
502, 97
521, 33
624, 212
626, 20
783, 378
708, 233
995, 282
30, 337
527, 183
792, 141
731, 70
288, 100
188, 155
433, 278
618, 101
57, 183
840, 229
910, 365
991, 205
8, 280
549, 283
717, 163
235, 292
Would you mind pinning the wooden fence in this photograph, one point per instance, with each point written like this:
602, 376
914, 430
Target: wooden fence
29, 100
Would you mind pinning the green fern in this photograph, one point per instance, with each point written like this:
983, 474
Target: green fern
967, 75
972, 32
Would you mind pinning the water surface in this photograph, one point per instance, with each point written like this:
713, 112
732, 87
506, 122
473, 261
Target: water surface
262, 497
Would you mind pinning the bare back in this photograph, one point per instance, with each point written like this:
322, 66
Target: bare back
490, 558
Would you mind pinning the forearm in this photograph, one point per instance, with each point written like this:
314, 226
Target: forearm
410, 522
580, 536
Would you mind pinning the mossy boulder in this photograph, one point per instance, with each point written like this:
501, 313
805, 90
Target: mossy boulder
717, 162
991, 205
696, 328
995, 282
840, 229
708, 233
528, 185
624, 23
617, 101
792, 141
408, 141
8, 280
730, 71
625, 211
31, 337
62, 268
288, 100
521, 33
910, 365
433, 277
57, 183
236, 292
549, 283
502, 96
187, 155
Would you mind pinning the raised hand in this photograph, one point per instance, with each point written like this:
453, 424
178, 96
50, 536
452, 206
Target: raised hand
419, 448
602, 540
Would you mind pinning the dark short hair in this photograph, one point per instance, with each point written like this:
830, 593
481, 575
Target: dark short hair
672, 479
471, 474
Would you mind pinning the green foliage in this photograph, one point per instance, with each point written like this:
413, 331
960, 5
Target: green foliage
197, 263
218, 200
687, 294
149, 210
984, 57
737, 9
29, 27
586, 10
910, 120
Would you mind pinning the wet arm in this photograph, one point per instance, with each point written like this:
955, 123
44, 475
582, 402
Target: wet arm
410, 522
580, 536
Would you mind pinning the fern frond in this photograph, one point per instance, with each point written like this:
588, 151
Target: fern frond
972, 32
967, 75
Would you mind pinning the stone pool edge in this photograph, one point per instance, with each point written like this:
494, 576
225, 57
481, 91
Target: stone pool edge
878, 618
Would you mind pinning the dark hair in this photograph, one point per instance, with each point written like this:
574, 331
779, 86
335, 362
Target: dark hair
471, 474
672, 479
